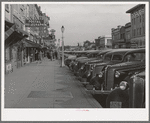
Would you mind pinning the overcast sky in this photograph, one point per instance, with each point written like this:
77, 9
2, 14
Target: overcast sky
85, 21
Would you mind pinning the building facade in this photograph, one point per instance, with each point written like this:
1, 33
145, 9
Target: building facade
21, 42
118, 37
105, 42
128, 35
137, 26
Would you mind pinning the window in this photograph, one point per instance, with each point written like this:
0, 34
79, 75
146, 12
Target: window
143, 17
134, 32
137, 31
132, 21
140, 31
135, 57
108, 57
143, 30
117, 57
137, 19
7, 55
7, 7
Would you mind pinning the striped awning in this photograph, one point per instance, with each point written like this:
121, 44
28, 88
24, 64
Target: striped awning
13, 34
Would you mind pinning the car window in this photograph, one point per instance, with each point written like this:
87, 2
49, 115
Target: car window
135, 57
100, 56
117, 57
107, 57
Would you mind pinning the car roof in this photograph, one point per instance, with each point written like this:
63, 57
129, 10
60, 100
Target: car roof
119, 51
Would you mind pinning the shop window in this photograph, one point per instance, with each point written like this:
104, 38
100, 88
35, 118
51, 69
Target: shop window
7, 55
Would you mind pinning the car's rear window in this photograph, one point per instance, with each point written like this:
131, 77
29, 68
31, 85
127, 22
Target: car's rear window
135, 57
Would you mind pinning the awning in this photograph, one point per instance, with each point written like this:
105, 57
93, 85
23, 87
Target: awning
28, 43
13, 34
8, 24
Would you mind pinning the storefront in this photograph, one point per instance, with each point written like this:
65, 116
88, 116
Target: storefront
13, 46
31, 48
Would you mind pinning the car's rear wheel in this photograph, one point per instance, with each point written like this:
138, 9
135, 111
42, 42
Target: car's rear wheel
118, 99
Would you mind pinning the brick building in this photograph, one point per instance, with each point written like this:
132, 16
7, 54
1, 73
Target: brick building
137, 26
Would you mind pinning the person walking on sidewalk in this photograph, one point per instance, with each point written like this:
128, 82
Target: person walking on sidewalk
56, 54
51, 55
40, 55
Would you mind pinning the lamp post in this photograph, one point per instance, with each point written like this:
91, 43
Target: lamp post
58, 47
62, 61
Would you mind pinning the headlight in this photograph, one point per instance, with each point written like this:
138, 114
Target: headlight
123, 85
117, 74
100, 75
92, 67
82, 67
89, 74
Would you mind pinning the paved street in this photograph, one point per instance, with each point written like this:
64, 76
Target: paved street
46, 85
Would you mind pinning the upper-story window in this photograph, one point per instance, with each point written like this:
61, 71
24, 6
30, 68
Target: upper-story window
140, 18
143, 18
137, 19
7, 7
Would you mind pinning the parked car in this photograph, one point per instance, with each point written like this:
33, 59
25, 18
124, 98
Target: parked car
130, 93
77, 54
113, 57
109, 76
91, 54
87, 66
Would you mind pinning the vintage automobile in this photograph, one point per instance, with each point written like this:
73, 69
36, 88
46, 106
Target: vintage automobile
130, 93
91, 54
109, 76
87, 64
77, 55
113, 57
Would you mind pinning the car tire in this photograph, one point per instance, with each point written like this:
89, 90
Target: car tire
120, 96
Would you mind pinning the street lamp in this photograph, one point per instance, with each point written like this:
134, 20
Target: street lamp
62, 61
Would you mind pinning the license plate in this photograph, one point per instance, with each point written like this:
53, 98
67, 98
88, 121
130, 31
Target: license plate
114, 104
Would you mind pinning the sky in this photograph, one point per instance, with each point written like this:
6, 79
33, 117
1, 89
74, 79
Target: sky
84, 21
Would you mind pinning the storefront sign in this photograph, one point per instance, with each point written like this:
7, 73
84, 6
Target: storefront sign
34, 23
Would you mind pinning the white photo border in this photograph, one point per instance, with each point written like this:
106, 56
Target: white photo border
93, 114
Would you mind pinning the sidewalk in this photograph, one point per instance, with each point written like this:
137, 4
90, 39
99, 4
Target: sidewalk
46, 85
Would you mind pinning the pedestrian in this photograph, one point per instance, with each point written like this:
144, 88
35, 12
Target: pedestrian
51, 55
40, 55
36, 55
48, 55
56, 54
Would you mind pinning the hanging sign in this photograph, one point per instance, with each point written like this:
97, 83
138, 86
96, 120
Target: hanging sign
34, 23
